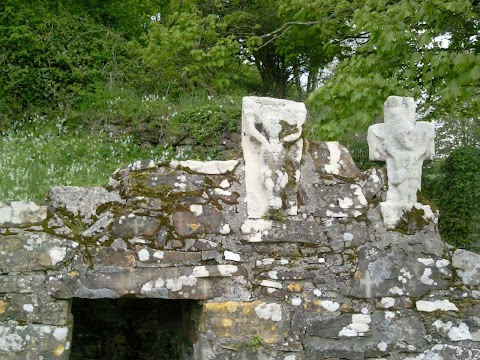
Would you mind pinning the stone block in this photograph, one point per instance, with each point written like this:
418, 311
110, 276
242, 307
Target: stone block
34, 341
290, 231
163, 183
34, 308
240, 322
200, 219
22, 214
394, 272
200, 282
83, 204
468, 266
24, 283
332, 158
131, 225
34, 251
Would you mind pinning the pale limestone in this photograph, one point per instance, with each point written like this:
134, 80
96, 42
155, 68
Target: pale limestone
404, 144
271, 139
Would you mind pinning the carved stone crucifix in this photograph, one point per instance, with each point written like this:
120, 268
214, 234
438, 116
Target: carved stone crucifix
404, 144
272, 148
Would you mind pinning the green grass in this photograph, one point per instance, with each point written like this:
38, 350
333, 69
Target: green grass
40, 153
77, 149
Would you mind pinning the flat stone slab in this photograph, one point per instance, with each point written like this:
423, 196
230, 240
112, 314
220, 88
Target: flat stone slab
34, 251
199, 282
21, 213
468, 265
290, 231
206, 167
394, 272
33, 341
81, 203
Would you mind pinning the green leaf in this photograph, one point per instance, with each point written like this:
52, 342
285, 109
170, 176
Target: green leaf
475, 73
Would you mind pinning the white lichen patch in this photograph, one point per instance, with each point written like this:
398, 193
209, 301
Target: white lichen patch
336, 214
264, 262
200, 271
333, 167
10, 341
222, 192
213, 167
28, 307
271, 284
227, 270
405, 275
231, 256
360, 196
178, 283
273, 274
387, 302
18, 212
158, 254
442, 263
196, 209
296, 301
225, 229
429, 306
382, 346
57, 254
389, 315
317, 292
345, 203
347, 236
60, 334
256, 228
269, 312
143, 255
225, 184
455, 333
292, 209
359, 326
330, 305
426, 261
395, 291
426, 279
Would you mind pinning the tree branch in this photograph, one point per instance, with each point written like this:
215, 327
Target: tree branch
273, 38
289, 24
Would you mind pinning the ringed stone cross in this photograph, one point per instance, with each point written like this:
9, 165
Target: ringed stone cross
404, 144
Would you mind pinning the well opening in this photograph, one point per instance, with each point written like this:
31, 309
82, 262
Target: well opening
133, 328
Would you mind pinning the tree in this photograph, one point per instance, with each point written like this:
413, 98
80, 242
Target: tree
54, 52
189, 48
425, 49
284, 40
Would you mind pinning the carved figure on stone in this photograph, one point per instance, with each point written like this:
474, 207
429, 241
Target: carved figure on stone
272, 148
404, 144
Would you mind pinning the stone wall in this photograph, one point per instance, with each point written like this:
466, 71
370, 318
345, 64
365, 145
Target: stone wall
318, 277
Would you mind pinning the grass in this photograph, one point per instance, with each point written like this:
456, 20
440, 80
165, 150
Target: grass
40, 153
77, 149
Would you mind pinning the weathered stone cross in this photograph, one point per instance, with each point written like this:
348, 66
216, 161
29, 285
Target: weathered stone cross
404, 144
272, 148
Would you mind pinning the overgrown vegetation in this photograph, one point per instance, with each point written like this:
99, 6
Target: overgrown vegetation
455, 186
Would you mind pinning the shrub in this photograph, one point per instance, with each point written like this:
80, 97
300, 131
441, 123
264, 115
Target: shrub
458, 196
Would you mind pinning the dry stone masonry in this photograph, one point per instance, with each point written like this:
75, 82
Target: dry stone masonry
201, 260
